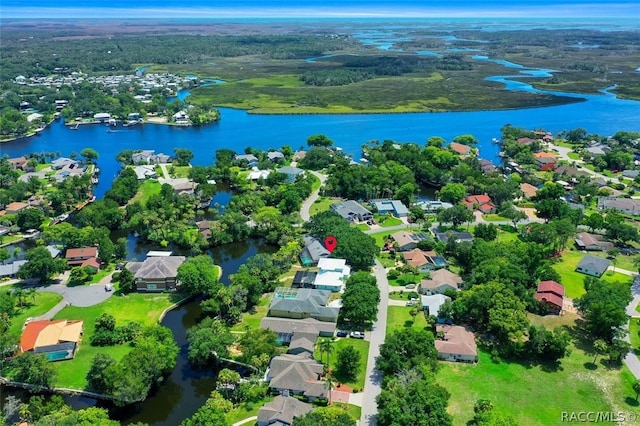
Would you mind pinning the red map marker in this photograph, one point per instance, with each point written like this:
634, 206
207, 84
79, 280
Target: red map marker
330, 243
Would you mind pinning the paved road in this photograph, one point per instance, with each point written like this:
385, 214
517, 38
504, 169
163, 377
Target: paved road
563, 153
631, 360
373, 378
84, 295
306, 204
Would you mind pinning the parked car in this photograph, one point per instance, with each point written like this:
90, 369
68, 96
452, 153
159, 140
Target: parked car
410, 286
411, 302
356, 335
342, 333
108, 287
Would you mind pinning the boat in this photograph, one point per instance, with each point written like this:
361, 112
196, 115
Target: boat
496, 140
76, 127
92, 199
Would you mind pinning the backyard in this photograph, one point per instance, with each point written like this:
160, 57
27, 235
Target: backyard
39, 305
362, 346
251, 320
398, 317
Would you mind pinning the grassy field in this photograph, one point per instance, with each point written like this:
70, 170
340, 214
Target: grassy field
41, 167
405, 279
398, 317
574, 281
362, 226
252, 320
245, 410
403, 295
144, 309
101, 274
390, 221
35, 307
179, 171
494, 218
386, 259
634, 329
362, 346
322, 204
146, 190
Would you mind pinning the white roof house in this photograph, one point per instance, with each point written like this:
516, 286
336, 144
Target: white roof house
433, 303
332, 274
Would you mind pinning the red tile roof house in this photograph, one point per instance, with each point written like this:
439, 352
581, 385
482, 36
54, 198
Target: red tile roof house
16, 207
460, 148
528, 190
78, 256
551, 294
546, 161
482, 203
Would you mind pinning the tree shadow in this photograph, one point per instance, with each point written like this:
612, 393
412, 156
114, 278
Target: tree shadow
590, 366
632, 401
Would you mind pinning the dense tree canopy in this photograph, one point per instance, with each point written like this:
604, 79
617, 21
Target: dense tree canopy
360, 301
604, 307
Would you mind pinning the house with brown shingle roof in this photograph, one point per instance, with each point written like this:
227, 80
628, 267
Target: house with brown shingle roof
282, 411
15, 207
439, 282
459, 148
528, 190
297, 375
57, 339
526, 141
455, 343
592, 242
546, 161
156, 273
624, 205
551, 294
18, 163
407, 240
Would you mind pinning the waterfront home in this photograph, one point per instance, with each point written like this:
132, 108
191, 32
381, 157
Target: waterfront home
352, 211
313, 251
181, 117
62, 162
282, 411
596, 149
78, 256
149, 156
10, 270
296, 375
487, 167
275, 156
480, 202
300, 303
258, 174
286, 328
624, 205
18, 163
332, 274
528, 190
394, 207
183, 186
551, 294
545, 161
526, 141
455, 343
102, 117
432, 206
204, 227
251, 159
592, 242
439, 282
156, 273
291, 172
408, 240
299, 155
459, 148
57, 339
15, 207
145, 171
304, 279
593, 265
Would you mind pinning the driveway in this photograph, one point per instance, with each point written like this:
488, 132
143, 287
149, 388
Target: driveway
631, 360
306, 204
82, 296
373, 378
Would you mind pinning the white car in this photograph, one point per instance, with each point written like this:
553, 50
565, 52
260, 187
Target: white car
356, 335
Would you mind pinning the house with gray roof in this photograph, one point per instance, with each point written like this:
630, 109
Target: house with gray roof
394, 207
291, 172
10, 270
285, 328
313, 251
156, 273
458, 237
352, 211
297, 375
251, 159
299, 303
624, 205
593, 265
302, 343
282, 410
61, 162
275, 156
149, 156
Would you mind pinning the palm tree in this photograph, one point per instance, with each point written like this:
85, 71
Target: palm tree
636, 388
328, 383
600, 347
325, 346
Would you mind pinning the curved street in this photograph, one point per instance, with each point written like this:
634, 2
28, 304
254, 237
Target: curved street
373, 378
306, 204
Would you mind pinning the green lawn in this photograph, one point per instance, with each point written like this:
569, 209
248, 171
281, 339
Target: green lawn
362, 226
322, 204
403, 295
405, 279
34, 307
398, 317
574, 281
179, 171
146, 190
574, 155
494, 218
245, 410
622, 261
362, 346
252, 320
634, 328
41, 167
387, 260
390, 221
316, 182
144, 309
535, 395
101, 274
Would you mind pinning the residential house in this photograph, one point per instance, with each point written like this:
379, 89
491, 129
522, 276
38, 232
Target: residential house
149, 156
433, 206
551, 294
78, 256
456, 343
19, 163
291, 172
296, 375
596, 149
417, 259
481, 203
394, 207
282, 410
275, 156
15, 207
258, 174
145, 171
593, 265
57, 339
487, 167
313, 251
592, 242
528, 190
285, 328
102, 117
156, 273
299, 155
545, 160
181, 117
251, 159
631, 174
53, 251
62, 162
10, 270
332, 274
459, 237
299, 303
304, 279
302, 343
352, 211
432, 303
406, 240
526, 141
570, 171
439, 282
204, 227
624, 205
459, 148
183, 187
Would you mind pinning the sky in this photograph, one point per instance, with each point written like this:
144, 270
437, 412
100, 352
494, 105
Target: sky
318, 8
